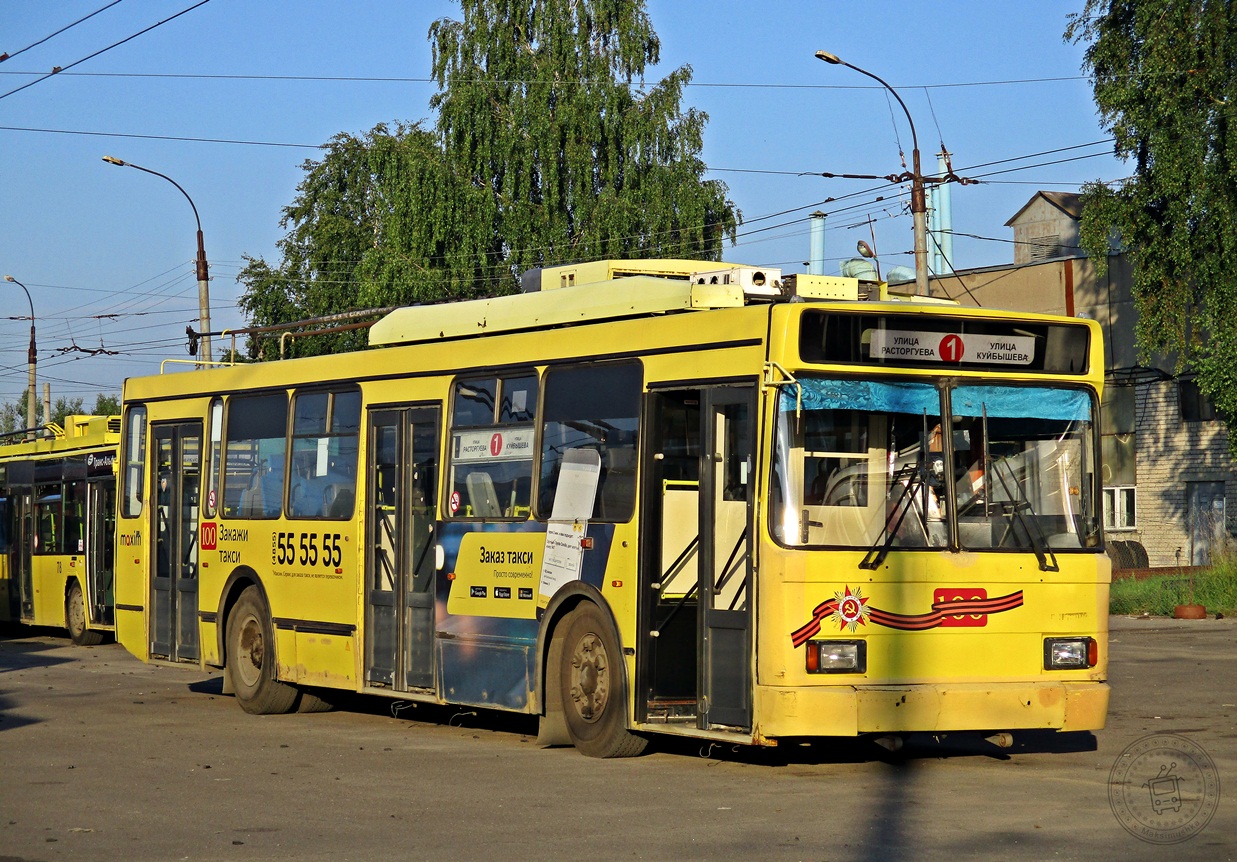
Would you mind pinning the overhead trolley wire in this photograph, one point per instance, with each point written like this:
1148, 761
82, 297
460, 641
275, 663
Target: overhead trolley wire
4, 57
58, 69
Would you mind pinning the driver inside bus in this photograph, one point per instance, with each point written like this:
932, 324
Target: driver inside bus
969, 449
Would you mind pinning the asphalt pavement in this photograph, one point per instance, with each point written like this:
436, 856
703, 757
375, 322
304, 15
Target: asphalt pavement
103, 757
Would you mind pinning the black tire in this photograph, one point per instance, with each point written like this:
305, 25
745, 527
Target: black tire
251, 658
75, 619
593, 686
312, 700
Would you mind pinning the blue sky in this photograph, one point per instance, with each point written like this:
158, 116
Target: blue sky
108, 252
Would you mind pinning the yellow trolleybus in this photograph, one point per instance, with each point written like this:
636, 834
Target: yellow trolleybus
58, 525
641, 497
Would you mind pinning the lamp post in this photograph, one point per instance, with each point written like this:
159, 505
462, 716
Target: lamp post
32, 358
203, 270
919, 203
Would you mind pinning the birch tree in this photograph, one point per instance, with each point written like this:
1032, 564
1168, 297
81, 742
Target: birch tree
548, 147
1165, 79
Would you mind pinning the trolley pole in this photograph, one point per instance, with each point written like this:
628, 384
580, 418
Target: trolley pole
919, 202
203, 269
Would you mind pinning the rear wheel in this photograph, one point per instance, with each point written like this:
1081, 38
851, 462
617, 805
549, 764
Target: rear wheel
592, 685
76, 620
313, 701
251, 658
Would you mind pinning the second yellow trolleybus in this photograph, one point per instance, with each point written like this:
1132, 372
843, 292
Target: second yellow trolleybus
641, 497
58, 525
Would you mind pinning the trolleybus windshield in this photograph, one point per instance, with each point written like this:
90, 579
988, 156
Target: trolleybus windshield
873, 464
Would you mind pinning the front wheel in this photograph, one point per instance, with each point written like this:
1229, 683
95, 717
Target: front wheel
251, 658
592, 686
75, 618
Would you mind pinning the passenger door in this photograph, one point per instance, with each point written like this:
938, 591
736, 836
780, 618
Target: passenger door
401, 531
23, 544
696, 557
726, 559
174, 584
100, 550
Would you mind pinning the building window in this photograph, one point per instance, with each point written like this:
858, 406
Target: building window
1195, 406
1119, 509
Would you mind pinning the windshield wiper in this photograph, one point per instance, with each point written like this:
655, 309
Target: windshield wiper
909, 479
1020, 505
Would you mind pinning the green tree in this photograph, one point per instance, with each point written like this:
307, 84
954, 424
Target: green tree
545, 151
537, 106
106, 404
63, 407
1165, 80
13, 413
375, 223
12, 416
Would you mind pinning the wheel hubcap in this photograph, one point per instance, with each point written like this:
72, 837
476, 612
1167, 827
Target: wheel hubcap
77, 614
251, 650
590, 687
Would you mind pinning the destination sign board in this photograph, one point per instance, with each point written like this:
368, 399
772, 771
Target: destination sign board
951, 347
944, 341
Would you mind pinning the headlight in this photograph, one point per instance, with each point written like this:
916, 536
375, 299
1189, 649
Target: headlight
837, 656
1070, 653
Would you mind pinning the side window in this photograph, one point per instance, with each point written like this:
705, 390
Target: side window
215, 431
325, 431
6, 517
593, 407
492, 431
48, 518
134, 476
255, 445
74, 539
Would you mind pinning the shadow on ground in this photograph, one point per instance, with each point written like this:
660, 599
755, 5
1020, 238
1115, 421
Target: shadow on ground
866, 749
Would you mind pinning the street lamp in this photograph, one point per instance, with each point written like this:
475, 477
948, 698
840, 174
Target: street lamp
919, 202
32, 357
203, 270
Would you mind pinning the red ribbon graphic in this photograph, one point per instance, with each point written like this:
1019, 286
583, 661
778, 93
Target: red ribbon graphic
910, 622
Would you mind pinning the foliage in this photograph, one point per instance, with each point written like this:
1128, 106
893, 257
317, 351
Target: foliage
1215, 589
544, 151
1165, 81
536, 105
12, 416
13, 413
376, 222
106, 404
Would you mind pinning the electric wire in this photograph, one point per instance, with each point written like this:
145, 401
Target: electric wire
58, 69
58, 32
409, 79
